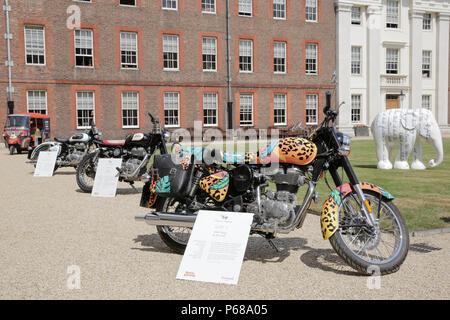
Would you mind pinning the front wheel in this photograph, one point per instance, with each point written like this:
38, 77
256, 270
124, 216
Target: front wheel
86, 172
380, 249
11, 149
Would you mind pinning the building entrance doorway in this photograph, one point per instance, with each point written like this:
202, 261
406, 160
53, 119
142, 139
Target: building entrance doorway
392, 101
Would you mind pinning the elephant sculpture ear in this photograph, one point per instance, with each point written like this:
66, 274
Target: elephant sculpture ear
409, 119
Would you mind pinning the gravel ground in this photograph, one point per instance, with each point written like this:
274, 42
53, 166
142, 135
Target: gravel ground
48, 225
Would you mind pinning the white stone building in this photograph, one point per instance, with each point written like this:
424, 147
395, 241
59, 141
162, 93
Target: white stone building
392, 54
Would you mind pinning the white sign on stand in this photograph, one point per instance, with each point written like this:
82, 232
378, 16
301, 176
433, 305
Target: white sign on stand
45, 165
106, 178
216, 247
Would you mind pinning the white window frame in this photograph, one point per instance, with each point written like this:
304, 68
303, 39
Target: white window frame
128, 5
129, 104
243, 8
426, 97
356, 63
356, 108
84, 47
246, 109
280, 104
311, 11
171, 2
129, 48
169, 102
311, 108
427, 23
390, 63
280, 52
36, 49
35, 100
356, 16
83, 108
171, 46
209, 6
427, 59
210, 108
246, 52
393, 14
209, 54
279, 9
311, 60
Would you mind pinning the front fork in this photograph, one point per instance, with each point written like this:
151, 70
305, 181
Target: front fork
344, 162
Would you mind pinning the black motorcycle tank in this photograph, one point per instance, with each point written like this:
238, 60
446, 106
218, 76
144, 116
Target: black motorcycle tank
137, 140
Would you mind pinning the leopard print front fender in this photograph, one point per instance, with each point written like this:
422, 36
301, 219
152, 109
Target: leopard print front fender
329, 217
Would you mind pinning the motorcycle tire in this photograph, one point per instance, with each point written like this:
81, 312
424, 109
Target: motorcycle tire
85, 172
169, 235
11, 150
364, 258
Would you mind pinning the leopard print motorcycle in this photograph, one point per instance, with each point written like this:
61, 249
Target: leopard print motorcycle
359, 219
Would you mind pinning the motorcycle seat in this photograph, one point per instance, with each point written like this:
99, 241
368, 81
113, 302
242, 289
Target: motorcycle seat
62, 140
113, 143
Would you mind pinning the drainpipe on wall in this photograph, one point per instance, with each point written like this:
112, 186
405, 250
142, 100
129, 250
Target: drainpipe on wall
9, 63
229, 94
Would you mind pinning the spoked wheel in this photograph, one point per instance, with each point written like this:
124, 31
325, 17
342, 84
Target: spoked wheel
86, 172
176, 238
382, 248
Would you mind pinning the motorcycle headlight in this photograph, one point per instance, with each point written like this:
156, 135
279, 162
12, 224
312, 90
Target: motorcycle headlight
344, 143
167, 136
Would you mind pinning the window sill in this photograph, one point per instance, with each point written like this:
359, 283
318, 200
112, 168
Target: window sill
84, 67
171, 70
210, 71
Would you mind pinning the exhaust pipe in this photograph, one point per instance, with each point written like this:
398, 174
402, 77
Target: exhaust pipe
168, 220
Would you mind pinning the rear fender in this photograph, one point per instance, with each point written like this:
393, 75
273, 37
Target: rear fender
46, 146
329, 218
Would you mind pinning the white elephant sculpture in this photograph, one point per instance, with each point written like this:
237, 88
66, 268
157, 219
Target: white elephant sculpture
406, 127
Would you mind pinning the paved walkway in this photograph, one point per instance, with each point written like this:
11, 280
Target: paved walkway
47, 225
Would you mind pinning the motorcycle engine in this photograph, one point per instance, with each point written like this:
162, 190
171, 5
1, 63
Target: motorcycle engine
134, 161
76, 153
279, 206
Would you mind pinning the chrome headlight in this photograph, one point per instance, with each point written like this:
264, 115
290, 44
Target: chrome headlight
344, 143
167, 136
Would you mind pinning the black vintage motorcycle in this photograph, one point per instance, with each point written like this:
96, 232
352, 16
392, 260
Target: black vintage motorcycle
359, 219
70, 151
135, 152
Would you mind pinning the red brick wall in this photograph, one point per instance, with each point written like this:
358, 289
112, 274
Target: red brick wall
59, 76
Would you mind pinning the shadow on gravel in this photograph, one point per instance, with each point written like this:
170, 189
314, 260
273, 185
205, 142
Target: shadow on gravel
259, 249
120, 191
152, 243
327, 260
423, 248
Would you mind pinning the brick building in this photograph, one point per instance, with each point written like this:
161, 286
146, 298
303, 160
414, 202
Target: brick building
168, 57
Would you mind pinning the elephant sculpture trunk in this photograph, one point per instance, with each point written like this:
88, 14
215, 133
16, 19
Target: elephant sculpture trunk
437, 144
406, 127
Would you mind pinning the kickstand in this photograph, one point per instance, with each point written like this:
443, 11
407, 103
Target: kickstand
134, 188
269, 240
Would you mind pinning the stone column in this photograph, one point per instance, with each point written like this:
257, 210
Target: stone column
415, 70
374, 63
343, 63
441, 67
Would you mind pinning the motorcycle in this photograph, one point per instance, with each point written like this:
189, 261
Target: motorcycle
359, 219
70, 151
135, 152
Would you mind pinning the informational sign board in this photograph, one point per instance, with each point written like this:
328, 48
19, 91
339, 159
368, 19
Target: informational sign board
45, 165
106, 178
216, 247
